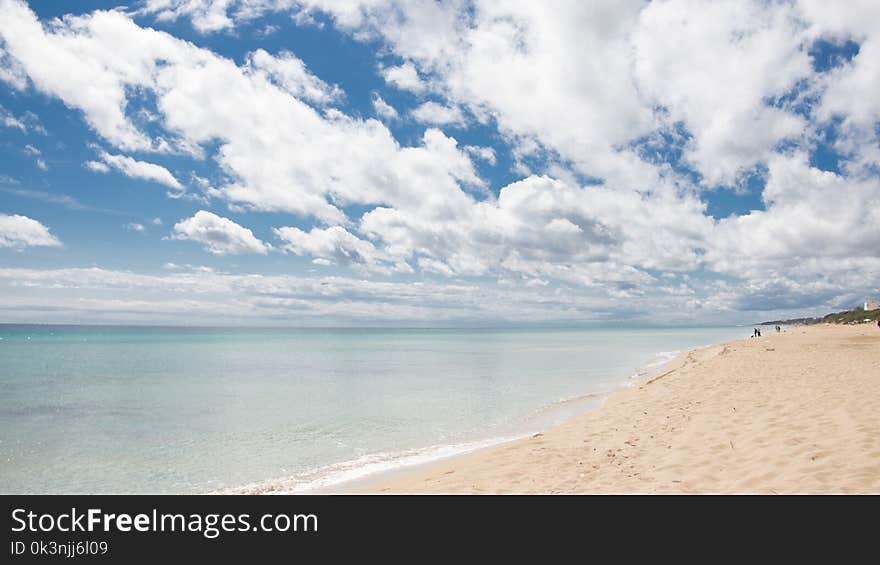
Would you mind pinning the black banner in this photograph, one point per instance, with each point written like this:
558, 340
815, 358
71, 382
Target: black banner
124, 528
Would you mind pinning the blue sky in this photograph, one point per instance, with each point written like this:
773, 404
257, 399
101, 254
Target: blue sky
436, 164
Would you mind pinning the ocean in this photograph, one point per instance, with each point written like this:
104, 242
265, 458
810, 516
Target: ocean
187, 410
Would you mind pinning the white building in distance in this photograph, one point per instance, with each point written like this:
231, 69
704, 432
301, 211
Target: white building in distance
872, 305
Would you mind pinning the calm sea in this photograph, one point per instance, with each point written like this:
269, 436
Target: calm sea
162, 410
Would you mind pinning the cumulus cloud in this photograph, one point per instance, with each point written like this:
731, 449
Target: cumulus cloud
205, 15
218, 235
290, 73
97, 166
437, 114
587, 80
747, 53
95, 86
536, 68
332, 243
809, 214
383, 109
18, 232
134, 169
844, 89
546, 227
624, 68
621, 118
203, 97
404, 77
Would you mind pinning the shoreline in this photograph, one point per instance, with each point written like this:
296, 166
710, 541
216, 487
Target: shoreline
594, 401
678, 430
368, 483
352, 476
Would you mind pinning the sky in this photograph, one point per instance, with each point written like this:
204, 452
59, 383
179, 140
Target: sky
422, 163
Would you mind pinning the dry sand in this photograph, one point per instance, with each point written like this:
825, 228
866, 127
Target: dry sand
796, 412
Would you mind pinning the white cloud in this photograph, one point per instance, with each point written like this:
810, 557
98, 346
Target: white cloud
135, 227
383, 109
36, 154
206, 15
267, 31
543, 227
26, 123
437, 114
10, 121
334, 243
289, 72
186, 294
20, 231
11, 72
134, 169
712, 66
557, 72
486, 154
404, 77
220, 236
187, 267
587, 79
276, 152
434, 266
97, 166
814, 220
576, 90
91, 82
848, 92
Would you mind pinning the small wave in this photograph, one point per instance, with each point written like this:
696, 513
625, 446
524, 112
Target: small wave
662, 358
362, 467
567, 407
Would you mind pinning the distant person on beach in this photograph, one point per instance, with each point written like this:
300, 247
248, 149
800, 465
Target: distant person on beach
755, 333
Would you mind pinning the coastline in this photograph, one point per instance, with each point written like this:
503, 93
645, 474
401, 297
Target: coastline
791, 412
352, 476
377, 482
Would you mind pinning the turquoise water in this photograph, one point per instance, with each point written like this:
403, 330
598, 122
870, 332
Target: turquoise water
149, 410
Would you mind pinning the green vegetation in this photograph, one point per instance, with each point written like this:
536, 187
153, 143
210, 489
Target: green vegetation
856, 315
